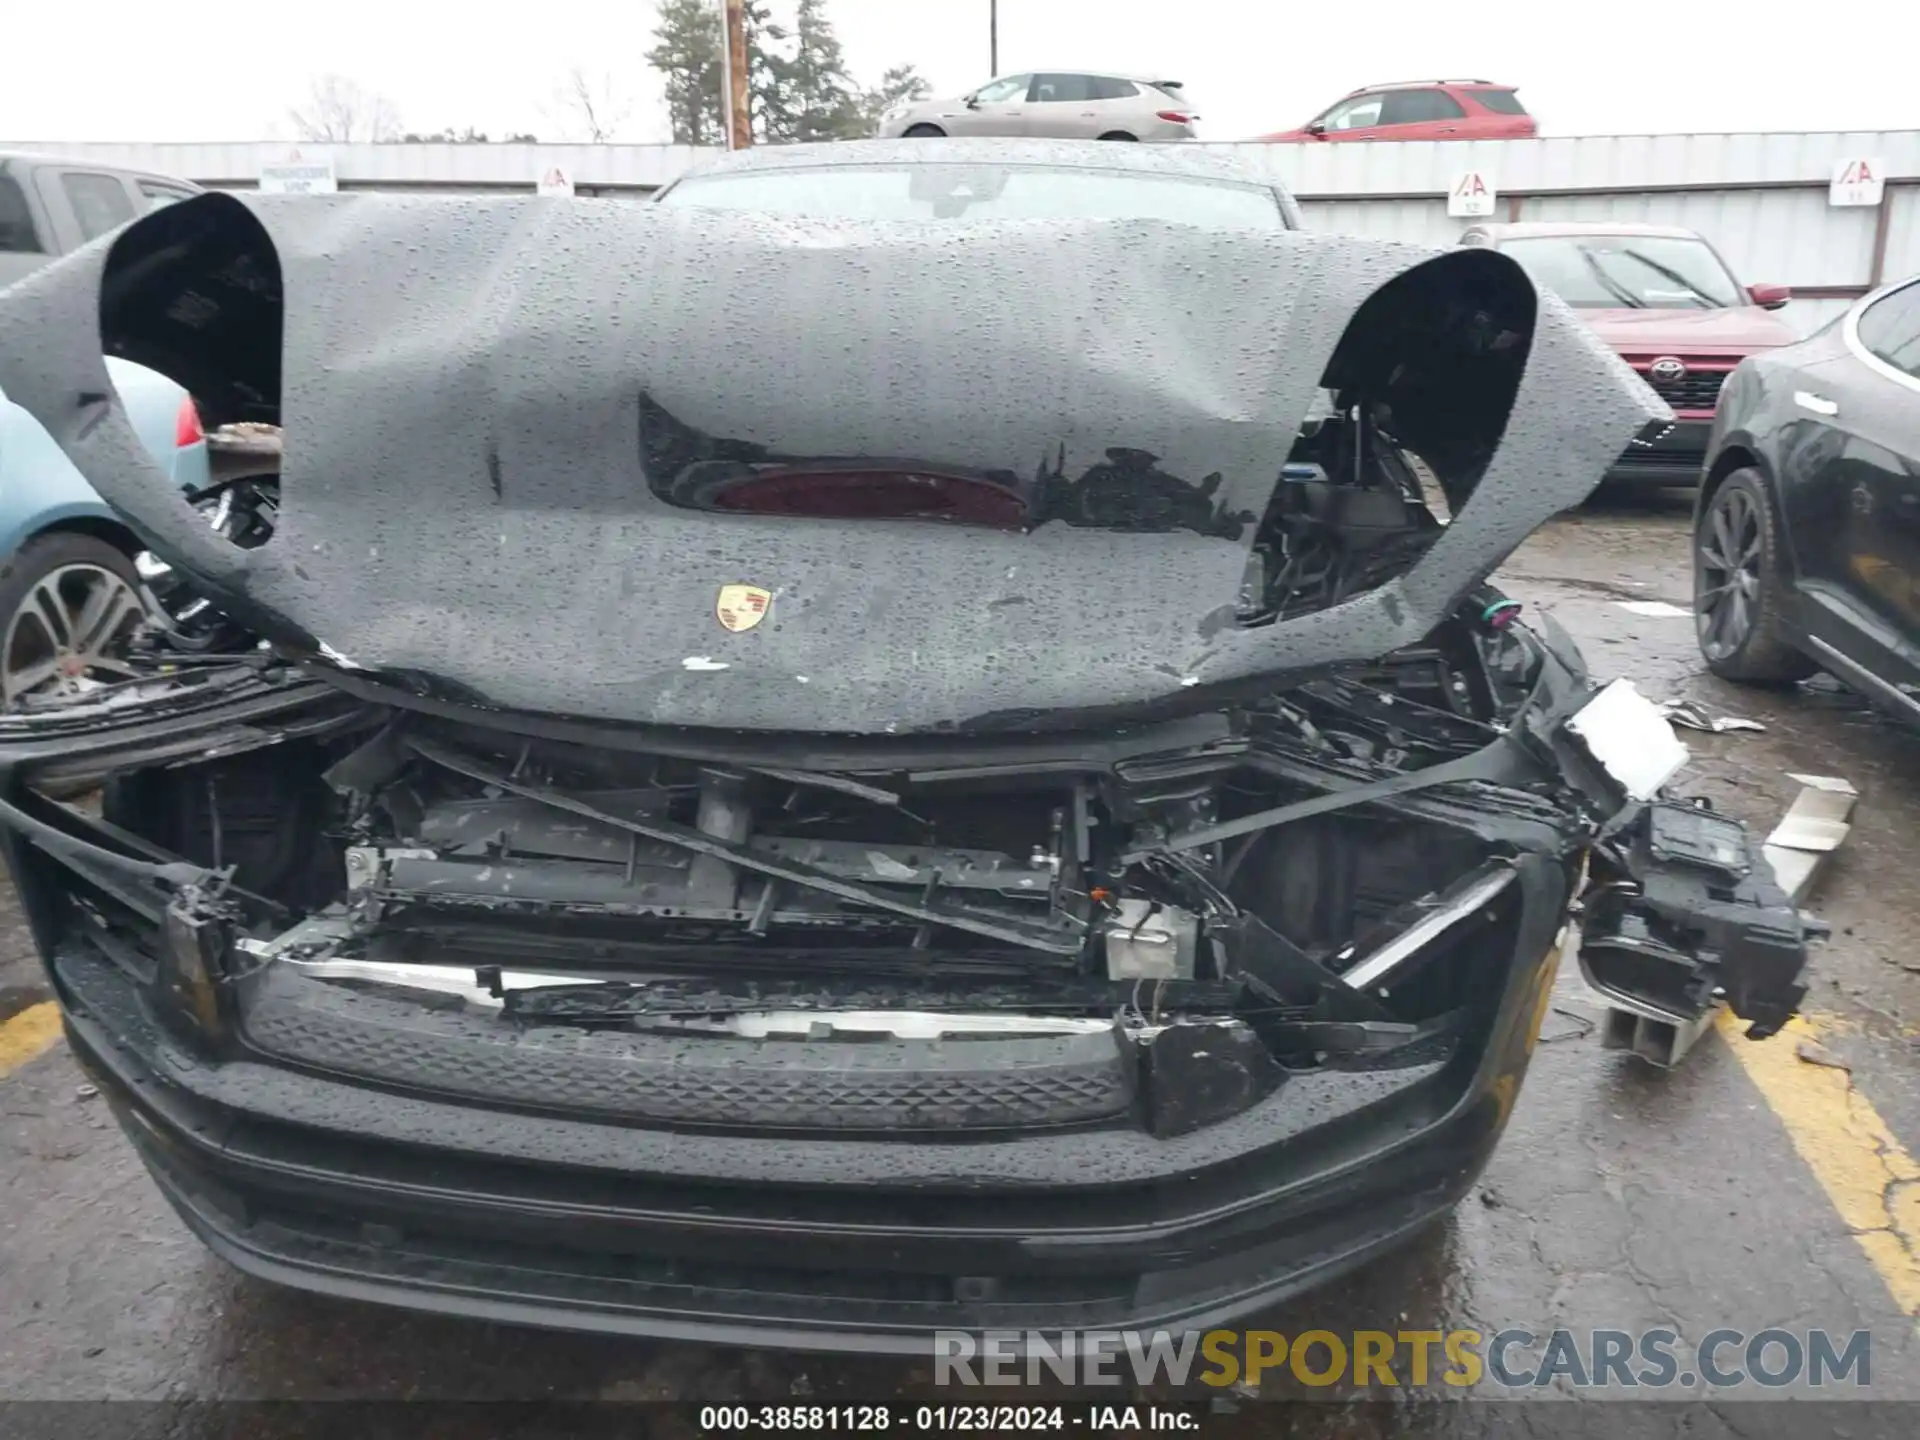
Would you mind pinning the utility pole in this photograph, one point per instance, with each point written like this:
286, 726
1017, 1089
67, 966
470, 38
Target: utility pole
993, 37
733, 53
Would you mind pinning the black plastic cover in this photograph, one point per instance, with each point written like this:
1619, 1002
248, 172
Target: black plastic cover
1703, 917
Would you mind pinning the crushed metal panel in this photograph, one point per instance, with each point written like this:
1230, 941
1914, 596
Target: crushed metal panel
526, 563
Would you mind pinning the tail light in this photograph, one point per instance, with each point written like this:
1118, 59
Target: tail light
186, 426
1178, 117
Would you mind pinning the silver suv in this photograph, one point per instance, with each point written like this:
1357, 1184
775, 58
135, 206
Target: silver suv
1067, 104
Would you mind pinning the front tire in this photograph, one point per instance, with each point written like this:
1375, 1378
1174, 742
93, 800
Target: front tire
1739, 586
924, 132
1119, 135
68, 605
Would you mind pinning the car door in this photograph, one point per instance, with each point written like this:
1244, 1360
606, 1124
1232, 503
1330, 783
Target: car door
1859, 482
998, 107
1420, 115
1355, 118
1394, 115
1067, 107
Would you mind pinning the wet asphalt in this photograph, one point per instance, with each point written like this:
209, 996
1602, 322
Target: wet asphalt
1622, 1197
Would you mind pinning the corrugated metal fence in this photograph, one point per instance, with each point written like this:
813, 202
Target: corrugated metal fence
1761, 199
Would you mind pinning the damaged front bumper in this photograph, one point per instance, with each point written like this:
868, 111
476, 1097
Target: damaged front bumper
557, 1216
801, 1043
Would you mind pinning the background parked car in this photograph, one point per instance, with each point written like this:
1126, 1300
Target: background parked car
1068, 104
49, 206
69, 592
1420, 110
1807, 531
1664, 299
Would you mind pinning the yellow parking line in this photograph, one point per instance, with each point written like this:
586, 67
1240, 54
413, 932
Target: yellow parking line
1868, 1175
27, 1035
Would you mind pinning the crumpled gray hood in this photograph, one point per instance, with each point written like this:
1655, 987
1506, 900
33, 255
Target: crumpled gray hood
473, 390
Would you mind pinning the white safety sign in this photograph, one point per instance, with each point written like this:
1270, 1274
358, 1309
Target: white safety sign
296, 174
1471, 197
1861, 180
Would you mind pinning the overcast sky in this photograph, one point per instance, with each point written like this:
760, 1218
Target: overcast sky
230, 69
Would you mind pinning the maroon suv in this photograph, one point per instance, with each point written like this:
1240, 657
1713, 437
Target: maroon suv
1665, 300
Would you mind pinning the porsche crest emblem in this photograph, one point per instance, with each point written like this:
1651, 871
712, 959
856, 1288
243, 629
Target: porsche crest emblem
741, 607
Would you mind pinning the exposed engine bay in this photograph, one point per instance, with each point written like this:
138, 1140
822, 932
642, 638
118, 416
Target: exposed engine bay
1327, 878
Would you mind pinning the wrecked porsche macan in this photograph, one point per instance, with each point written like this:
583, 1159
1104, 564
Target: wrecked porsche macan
745, 830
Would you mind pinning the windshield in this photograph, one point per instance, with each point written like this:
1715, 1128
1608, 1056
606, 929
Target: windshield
1612, 272
949, 191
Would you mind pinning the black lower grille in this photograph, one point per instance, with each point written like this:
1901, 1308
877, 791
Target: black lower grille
1007, 1083
1649, 459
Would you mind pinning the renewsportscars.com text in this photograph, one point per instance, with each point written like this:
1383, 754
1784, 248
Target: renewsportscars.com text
1513, 1359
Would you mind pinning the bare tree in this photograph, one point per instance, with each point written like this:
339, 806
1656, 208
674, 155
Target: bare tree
339, 111
594, 110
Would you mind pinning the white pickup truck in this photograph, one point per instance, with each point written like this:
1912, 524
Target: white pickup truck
50, 206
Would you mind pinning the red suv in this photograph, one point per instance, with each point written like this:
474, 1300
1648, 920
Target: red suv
1665, 300
1421, 110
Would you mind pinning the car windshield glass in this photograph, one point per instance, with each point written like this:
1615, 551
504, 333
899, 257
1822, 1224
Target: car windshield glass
948, 192
1652, 272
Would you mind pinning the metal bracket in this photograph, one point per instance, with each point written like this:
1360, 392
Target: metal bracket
1658, 1042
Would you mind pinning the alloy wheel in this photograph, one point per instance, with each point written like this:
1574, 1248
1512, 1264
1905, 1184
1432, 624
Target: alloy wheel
68, 636
1726, 604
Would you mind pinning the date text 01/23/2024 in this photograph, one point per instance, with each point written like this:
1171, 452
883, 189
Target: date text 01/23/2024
923, 1419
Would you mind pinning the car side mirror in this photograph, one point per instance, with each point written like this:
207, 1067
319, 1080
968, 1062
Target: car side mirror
1316, 128
972, 102
1770, 297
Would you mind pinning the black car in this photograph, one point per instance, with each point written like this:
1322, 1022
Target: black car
1807, 530
814, 782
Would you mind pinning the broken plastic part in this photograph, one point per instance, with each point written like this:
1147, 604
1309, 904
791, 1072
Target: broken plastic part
1630, 739
1196, 1073
1692, 922
1810, 831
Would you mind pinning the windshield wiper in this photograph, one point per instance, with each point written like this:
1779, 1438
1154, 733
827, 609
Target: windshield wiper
1613, 286
1707, 302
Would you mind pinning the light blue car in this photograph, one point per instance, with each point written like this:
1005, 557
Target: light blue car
69, 593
